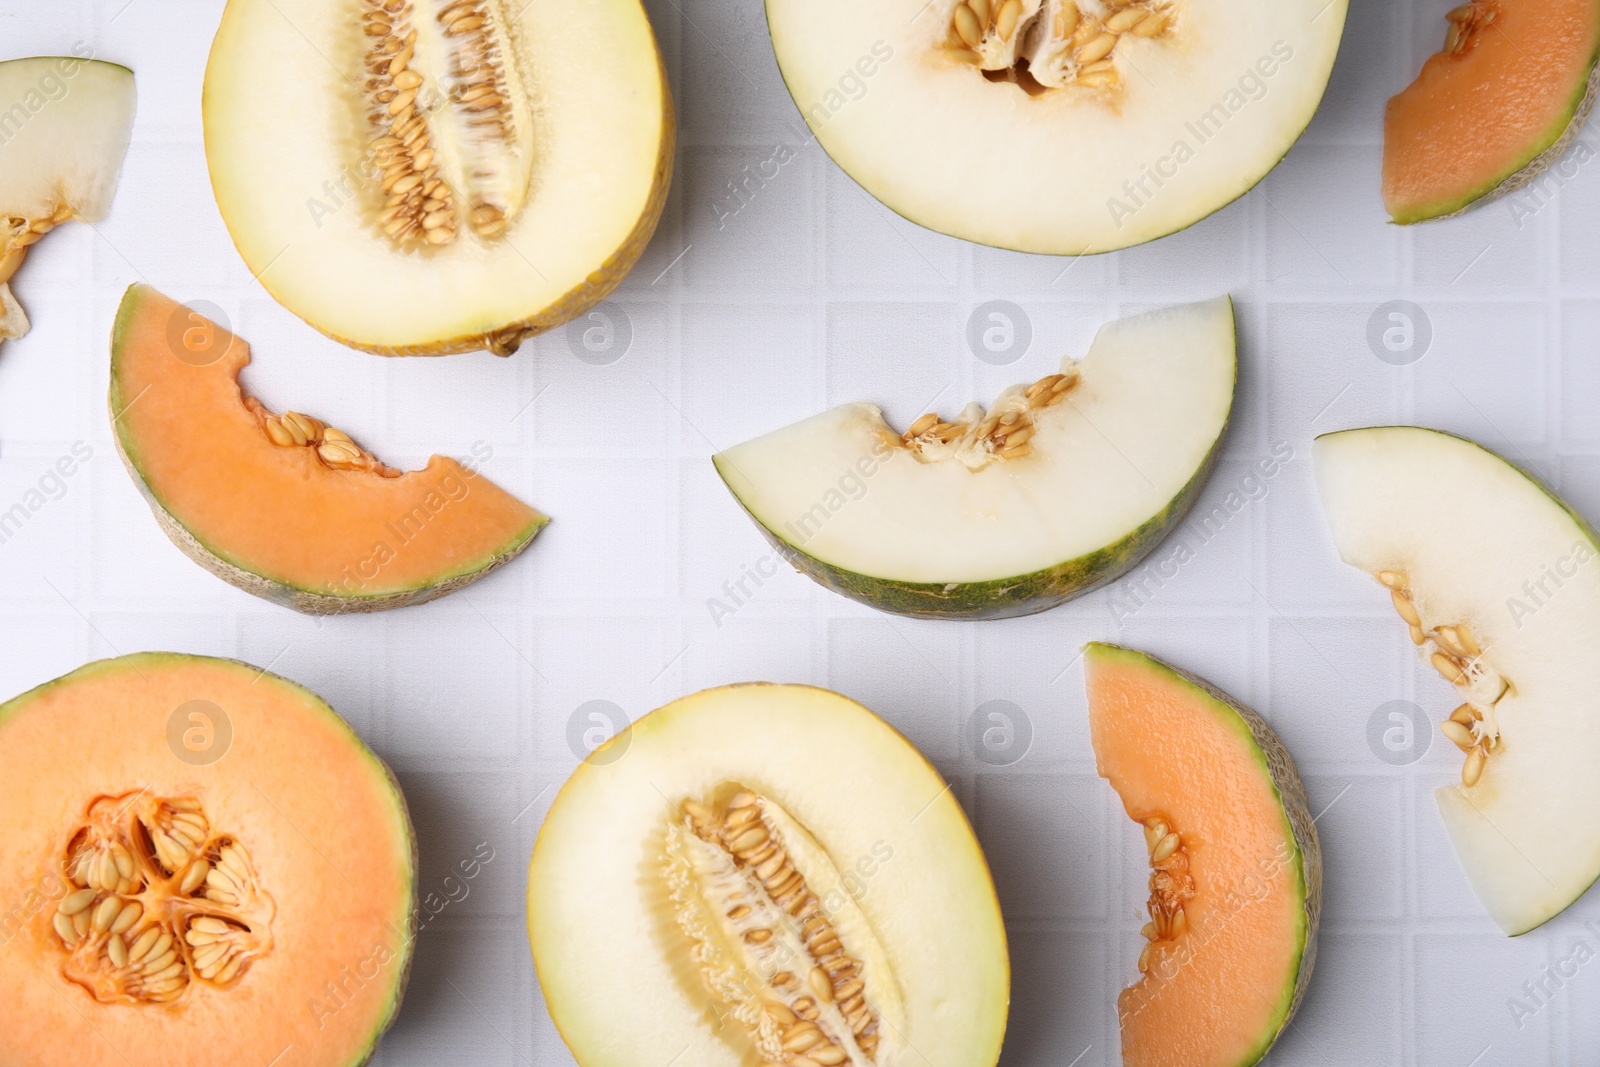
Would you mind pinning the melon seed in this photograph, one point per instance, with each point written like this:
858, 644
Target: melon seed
1460, 735
1406, 609
1472, 770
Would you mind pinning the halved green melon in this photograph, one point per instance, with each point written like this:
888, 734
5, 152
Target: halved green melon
202, 864
420, 177
64, 128
1062, 486
1492, 110
1236, 870
766, 874
285, 506
1057, 126
1496, 578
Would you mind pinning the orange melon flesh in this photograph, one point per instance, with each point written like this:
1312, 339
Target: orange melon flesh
280, 513
326, 829
1474, 119
1220, 992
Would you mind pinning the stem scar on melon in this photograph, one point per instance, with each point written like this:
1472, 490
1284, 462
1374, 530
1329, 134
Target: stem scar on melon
1235, 888
285, 506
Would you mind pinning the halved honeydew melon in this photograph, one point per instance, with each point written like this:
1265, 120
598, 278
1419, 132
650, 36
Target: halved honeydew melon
1063, 485
1490, 112
771, 872
419, 177
203, 864
1057, 126
285, 506
1236, 869
1496, 579
64, 129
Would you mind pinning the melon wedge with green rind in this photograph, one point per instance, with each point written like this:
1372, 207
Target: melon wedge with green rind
1236, 893
963, 531
1494, 109
1483, 549
278, 519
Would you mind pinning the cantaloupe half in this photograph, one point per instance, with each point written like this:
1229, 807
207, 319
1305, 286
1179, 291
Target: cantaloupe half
766, 874
202, 865
287, 507
64, 128
1236, 871
419, 177
1488, 113
1495, 578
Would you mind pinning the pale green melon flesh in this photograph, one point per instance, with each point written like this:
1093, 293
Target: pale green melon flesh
1480, 542
1112, 467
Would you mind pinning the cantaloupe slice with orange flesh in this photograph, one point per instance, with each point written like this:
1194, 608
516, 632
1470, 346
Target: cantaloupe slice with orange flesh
769, 876
286, 507
1492, 110
200, 863
1236, 881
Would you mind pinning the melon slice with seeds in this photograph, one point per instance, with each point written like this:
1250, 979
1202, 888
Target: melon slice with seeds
420, 177
64, 129
285, 506
782, 879
1062, 485
1235, 866
1495, 579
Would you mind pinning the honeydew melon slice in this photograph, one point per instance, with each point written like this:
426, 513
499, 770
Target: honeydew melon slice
1496, 576
721, 850
420, 177
1236, 869
64, 129
285, 506
1056, 126
963, 519
1493, 109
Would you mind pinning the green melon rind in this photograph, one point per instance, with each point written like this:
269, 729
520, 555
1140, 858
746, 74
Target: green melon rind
1584, 527
1086, 250
1000, 598
1284, 777
19, 703
1546, 150
239, 572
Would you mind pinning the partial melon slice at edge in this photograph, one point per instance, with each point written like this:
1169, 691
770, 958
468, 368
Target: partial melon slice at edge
1467, 540
285, 506
1236, 865
64, 129
879, 843
989, 524
1490, 112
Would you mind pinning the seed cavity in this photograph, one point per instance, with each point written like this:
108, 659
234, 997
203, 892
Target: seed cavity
1052, 44
448, 129
978, 438
1171, 886
809, 985
334, 448
1453, 650
139, 926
